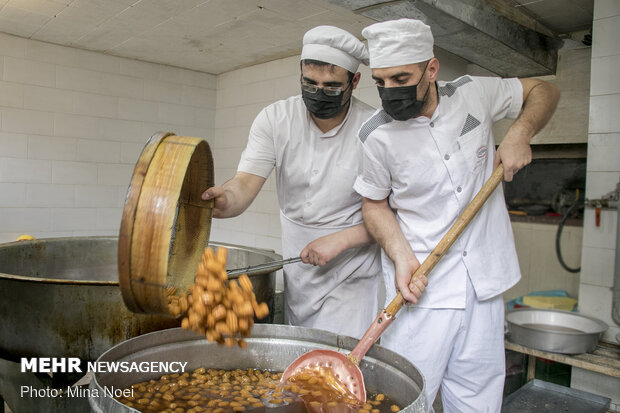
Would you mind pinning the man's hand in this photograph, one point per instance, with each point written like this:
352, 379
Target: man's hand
539, 101
514, 153
235, 196
220, 200
322, 250
410, 288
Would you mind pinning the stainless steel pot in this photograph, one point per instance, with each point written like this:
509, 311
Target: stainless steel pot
60, 296
553, 330
271, 347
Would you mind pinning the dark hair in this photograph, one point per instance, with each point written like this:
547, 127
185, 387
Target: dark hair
312, 62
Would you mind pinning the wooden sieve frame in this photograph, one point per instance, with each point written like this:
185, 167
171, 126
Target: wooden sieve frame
165, 224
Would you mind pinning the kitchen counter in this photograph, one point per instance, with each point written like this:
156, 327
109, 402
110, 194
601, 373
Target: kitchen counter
605, 358
546, 219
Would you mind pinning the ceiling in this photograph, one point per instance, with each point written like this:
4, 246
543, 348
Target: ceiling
217, 36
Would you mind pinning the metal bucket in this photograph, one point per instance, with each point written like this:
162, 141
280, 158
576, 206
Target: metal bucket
271, 347
60, 297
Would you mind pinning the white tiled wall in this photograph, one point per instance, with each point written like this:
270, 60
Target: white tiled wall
603, 173
72, 125
540, 267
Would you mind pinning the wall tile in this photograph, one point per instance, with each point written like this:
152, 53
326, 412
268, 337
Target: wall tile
606, 8
603, 113
596, 301
603, 236
48, 99
176, 114
72, 78
25, 220
602, 77
13, 145
200, 97
11, 94
133, 109
109, 218
130, 152
29, 72
96, 196
119, 85
78, 126
115, 174
64, 172
158, 91
96, 105
597, 266
50, 147
12, 195
70, 219
121, 130
598, 184
603, 152
605, 34
45, 195
98, 151
27, 121
24, 170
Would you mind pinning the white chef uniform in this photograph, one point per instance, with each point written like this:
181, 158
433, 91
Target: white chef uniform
315, 172
430, 169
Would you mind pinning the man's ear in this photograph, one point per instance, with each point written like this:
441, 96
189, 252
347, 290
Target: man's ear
433, 69
356, 79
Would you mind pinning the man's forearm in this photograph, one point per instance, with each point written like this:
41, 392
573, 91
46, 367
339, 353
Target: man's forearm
381, 224
240, 191
356, 236
540, 101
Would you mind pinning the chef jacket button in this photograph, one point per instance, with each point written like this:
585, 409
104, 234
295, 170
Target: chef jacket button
459, 189
432, 124
315, 171
446, 157
464, 253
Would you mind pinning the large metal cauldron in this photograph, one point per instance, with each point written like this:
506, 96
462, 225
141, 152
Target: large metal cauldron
271, 347
59, 297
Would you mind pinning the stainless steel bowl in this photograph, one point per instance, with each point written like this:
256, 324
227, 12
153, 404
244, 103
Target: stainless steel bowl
554, 331
271, 347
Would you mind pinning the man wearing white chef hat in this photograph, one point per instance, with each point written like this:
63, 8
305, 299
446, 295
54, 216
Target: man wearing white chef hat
311, 141
425, 156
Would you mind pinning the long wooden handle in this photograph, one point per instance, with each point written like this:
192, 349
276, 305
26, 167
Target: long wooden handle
453, 233
386, 317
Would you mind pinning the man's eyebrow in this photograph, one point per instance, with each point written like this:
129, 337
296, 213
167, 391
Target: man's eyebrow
400, 74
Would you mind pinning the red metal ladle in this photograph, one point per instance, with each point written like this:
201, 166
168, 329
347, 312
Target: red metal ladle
346, 367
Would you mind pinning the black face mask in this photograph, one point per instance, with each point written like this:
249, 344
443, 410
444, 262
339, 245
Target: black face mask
402, 103
323, 106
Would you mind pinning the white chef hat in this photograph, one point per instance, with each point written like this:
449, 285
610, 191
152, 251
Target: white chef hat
336, 46
398, 42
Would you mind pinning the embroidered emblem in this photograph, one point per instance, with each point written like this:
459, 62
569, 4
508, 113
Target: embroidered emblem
482, 152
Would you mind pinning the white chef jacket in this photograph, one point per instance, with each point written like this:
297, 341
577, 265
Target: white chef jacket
315, 172
430, 169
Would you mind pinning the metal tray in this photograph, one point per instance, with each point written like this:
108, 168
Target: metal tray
541, 396
553, 330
